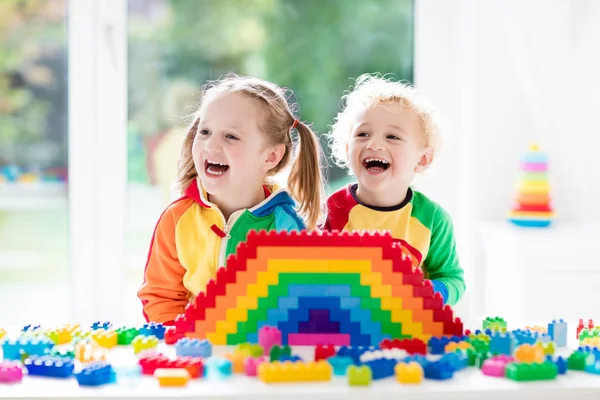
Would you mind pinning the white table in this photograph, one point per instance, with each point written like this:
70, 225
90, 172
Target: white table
467, 384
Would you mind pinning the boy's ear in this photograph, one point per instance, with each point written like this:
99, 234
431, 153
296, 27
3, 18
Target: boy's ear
425, 160
273, 155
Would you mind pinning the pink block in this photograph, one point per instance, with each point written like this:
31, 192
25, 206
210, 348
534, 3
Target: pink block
10, 372
313, 339
299, 339
533, 167
496, 366
269, 336
251, 365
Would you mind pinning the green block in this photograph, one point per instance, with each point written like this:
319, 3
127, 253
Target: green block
237, 338
494, 323
531, 372
278, 351
359, 376
255, 350
578, 360
125, 335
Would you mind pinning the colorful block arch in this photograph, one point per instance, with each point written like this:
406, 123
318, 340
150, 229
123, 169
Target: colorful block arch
318, 288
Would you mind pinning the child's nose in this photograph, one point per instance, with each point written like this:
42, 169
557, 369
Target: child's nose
213, 144
375, 144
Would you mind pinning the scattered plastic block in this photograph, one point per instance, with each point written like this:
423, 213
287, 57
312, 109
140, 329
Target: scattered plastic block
458, 360
153, 329
269, 336
460, 346
292, 358
502, 343
88, 351
106, 325
105, 338
30, 328
579, 359
412, 346
494, 323
354, 352
437, 345
193, 348
2, 333
170, 377
381, 368
251, 365
312, 371
359, 375
151, 362
52, 367
581, 326
96, 374
548, 349
419, 359
409, 373
531, 372
392, 354
143, 343
323, 352
560, 362
251, 349
61, 335
496, 366
13, 349
219, 367
10, 372
278, 351
438, 370
172, 336
339, 364
126, 335
527, 353
237, 361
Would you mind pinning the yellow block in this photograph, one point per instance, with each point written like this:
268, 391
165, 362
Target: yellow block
320, 266
269, 277
226, 326
370, 278
217, 338
247, 302
172, 376
391, 303
237, 314
381, 291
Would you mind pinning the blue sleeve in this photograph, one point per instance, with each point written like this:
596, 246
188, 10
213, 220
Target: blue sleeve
440, 288
286, 219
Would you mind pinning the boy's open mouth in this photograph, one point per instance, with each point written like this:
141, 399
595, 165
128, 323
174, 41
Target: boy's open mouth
375, 164
215, 168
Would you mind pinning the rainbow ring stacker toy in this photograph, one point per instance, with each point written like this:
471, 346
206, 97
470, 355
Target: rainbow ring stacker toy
532, 206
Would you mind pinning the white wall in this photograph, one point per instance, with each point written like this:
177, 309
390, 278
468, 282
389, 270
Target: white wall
507, 73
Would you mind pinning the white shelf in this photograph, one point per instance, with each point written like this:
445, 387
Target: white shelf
33, 196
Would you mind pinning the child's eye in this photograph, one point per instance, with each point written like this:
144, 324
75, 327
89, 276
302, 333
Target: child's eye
393, 137
362, 134
232, 137
204, 132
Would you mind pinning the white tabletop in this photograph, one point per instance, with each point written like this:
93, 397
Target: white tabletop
467, 384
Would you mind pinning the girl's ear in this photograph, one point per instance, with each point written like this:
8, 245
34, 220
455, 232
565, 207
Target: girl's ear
273, 155
425, 160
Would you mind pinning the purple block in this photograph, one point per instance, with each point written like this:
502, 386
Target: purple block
319, 322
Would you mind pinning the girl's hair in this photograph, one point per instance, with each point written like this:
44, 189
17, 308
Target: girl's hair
370, 91
305, 181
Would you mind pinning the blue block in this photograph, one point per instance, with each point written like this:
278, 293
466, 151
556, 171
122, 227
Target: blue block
349, 302
502, 343
457, 360
418, 358
276, 315
292, 358
308, 290
218, 367
30, 328
286, 303
106, 325
437, 345
354, 352
96, 374
252, 337
49, 366
187, 347
557, 330
560, 362
153, 329
32, 346
340, 364
381, 368
438, 370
